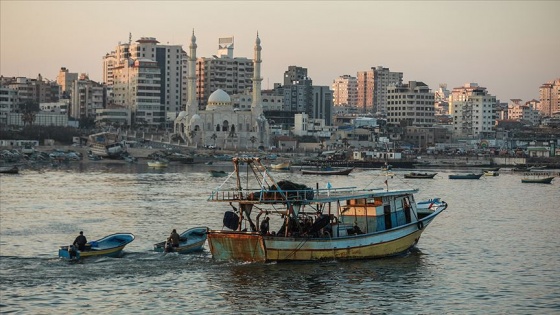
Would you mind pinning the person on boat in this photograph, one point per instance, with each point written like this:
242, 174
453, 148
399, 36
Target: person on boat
174, 238
265, 226
80, 241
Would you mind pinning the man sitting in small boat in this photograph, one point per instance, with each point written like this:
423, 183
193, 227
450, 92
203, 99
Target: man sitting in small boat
80, 241
174, 238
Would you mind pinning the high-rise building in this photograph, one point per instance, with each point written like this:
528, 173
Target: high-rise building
223, 71
550, 97
65, 79
322, 103
473, 110
372, 88
523, 112
345, 91
412, 102
87, 97
148, 78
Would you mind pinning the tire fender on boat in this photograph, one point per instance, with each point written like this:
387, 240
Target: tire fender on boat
420, 225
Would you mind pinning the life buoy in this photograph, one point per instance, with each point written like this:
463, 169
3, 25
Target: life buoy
420, 225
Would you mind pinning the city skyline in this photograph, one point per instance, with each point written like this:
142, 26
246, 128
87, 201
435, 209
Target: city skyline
511, 48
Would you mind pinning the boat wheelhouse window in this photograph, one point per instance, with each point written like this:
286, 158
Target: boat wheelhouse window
387, 214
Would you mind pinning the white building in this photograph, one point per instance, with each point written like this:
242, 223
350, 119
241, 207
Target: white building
87, 97
525, 112
305, 126
8, 102
412, 102
473, 111
221, 124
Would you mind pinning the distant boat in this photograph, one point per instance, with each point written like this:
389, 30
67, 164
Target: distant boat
466, 176
281, 166
9, 169
106, 145
190, 241
109, 246
215, 173
158, 163
345, 171
420, 175
538, 180
491, 173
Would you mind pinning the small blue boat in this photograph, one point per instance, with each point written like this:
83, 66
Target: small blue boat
190, 241
109, 246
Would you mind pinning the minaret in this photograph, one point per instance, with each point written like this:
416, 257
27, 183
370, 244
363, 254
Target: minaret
192, 103
256, 106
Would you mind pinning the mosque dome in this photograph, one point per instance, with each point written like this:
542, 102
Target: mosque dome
182, 115
195, 119
218, 99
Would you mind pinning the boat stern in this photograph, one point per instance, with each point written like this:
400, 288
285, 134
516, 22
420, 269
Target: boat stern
231, 245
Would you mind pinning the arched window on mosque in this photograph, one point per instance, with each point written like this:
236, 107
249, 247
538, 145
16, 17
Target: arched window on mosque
196, 128
240, 126
225, 126
218, 127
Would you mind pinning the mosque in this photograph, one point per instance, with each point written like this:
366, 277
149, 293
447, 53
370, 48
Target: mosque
220, 124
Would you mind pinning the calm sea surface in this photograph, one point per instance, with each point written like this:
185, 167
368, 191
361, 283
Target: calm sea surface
493, 251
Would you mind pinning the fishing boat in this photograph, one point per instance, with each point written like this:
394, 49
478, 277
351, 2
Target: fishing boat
427, 207
158, 163
215, 173
109, 246
491, 173
298, 223
190, 241
9, 169
420, 175
466, 176
281, 166
537, 178
106, 145
328, 171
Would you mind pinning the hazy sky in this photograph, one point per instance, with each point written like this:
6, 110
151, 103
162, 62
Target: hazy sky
509, 47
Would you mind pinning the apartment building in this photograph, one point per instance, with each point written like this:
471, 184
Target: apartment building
372, 88
550, 97
523, 112
412, 102
473, 110
345, 91
64, 79
87, 97
8, 103
223, 71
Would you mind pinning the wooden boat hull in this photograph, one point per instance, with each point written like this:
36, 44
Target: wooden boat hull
109, 246
157, 164
9, 169
281, 166
466, 176
333, 172
250, 246
420, 175
194, 240
544, 180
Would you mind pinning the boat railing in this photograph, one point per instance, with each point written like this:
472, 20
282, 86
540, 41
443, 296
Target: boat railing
279, 196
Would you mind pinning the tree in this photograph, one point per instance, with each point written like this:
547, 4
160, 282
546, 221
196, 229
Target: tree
214, 137
29, 110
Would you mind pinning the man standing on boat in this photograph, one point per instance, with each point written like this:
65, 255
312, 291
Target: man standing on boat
80, 241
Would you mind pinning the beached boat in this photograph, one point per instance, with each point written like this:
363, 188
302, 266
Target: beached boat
427, 207
106, 145
420, 175
299, 223
328, 171
215, 173
9, 169
281, 166
158, 163
109, 246
536, 179
491, 173
190, 241
466, 176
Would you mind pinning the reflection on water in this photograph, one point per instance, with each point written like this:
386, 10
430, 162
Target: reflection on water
493, 251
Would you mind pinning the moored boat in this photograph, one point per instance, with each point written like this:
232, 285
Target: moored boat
537, 179
281, 166
491, 173
420, 175
329, 171
158, 163
106, 145
190, 241
298, 223
466, 176
215, 173
109, 246
9, 169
